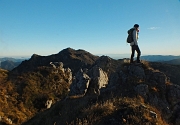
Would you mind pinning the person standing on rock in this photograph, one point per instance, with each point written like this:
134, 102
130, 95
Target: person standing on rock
134, 44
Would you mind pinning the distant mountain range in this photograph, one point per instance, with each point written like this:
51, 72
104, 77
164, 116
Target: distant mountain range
10, 63
159, 58
170, 59
152, 58
11, 59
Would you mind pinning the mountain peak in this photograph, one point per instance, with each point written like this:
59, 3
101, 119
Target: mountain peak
70, 57
70, 50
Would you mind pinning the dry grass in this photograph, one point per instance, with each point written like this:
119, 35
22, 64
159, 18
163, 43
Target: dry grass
3, 75
107, 110
9, 106
122, 110
146, 64
75, 110
21, 97
155, 89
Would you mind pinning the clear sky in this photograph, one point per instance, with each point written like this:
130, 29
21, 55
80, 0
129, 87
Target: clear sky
46, 27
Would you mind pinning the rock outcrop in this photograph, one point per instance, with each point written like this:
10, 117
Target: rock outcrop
58, 68
74, 59
142, 90
5, 121
173, 94
48, 103
99, 79
91, 81
43, 80
153, 85
80, 83
136, 71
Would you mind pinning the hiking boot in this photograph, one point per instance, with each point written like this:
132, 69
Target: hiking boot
138, 61
131, 62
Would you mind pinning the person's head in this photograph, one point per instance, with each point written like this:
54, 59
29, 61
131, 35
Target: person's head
136, 26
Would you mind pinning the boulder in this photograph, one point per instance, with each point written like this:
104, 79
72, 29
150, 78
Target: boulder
137, 71
153, 114
58, 66
98, 76
99, 79
142, 90
80, 83
173, 94
113, 81
48, 103
157, 76
104, 62
68, 73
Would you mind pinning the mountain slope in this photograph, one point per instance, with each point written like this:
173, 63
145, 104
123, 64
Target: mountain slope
172, 71
126, 102
133, 94
74, 59
9, 65
35, 82
173, 62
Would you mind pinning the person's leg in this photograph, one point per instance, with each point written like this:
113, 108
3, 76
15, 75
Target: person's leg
132, 53
138, 54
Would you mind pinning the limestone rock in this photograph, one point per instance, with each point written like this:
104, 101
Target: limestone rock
153, 114
5, 121
104, 62
57, 65
113, 81
99, 79
48, 103
80, 83
137, 71
173, 94
142, 90
58, 68
157, 76
153, 99
68, 74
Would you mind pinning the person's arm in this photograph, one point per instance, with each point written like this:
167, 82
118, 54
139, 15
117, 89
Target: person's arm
135, 37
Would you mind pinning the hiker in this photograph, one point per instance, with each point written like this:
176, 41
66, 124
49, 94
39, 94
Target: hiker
134, 44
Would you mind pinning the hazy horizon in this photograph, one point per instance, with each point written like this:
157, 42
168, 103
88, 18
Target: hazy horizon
120, 56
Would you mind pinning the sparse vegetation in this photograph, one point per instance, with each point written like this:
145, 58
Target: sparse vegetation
118, 110
23, 94
27, 93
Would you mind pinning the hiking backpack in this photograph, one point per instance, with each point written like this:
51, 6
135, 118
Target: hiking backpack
130, 35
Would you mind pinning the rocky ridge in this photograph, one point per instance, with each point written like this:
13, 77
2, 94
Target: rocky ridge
74, 59
153, 86
74, 76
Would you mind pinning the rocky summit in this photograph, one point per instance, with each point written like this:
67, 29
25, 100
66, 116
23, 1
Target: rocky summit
75, 87
71, 58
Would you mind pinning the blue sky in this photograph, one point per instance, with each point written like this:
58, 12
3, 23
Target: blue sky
46, 27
